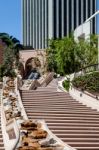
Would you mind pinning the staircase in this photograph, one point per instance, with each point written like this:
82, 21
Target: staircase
1, 138
52, 86
72, 122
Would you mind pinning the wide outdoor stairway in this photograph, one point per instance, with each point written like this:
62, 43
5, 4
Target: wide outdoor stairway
71, 121
1, 138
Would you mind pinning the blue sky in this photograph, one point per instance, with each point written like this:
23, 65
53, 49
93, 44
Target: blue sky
10, 17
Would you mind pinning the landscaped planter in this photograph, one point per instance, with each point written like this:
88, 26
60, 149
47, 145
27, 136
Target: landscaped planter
35, 136
10, 113
88, 82
84, 97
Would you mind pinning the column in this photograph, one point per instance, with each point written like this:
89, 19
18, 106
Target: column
77, 13
50, 19
62, 18
97, 17
43, 23
34, 29
72, 18
57, 14
31, 22
86, 9
91, 21
46, 14
40, 18
82, 14
67, 17
39, 9
25, 22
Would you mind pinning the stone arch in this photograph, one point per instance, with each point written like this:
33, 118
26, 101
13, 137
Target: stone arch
32, 63
26, 55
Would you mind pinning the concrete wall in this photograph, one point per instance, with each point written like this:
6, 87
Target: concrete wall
83, 31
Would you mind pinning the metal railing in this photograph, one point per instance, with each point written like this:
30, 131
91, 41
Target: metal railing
87, 69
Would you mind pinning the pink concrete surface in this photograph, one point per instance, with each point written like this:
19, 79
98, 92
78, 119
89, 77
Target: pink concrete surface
25, 55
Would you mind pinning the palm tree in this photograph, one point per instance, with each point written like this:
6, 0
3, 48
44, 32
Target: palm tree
11, 42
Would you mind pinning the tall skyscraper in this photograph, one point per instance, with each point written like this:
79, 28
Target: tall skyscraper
46, 19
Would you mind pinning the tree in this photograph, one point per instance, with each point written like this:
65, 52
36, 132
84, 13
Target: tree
60, 55
86, 52
50, 55
9, 63
12, 43
65, 56
11, 53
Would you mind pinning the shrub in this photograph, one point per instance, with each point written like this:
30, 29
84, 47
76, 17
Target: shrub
2, 68
89, 82
66, 84
10, 73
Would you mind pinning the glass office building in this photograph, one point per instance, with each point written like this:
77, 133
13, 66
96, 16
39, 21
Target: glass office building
46, 19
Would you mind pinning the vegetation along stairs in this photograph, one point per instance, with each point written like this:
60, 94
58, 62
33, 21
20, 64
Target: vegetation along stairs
1, 137
74, 123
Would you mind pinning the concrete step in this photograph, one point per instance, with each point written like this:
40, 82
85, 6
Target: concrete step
73, 128
57, 107
80, 139
87, 148
71, 119
64, 114
78, 135
85, 144
52, 109
62, 110
88, 113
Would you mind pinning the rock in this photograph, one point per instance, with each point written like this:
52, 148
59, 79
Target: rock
26, 148
38, 134
29, 123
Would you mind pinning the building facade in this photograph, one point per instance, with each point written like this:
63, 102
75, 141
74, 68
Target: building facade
46, 19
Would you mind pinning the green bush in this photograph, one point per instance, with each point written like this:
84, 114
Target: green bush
2, 68
66, 84
65, 56
88, 82
10, 73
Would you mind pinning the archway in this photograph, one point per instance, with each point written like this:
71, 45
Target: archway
33, 64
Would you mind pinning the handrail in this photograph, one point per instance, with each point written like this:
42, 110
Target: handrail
87, 69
